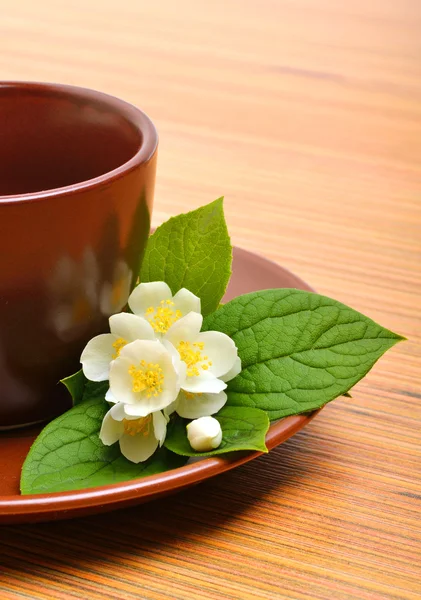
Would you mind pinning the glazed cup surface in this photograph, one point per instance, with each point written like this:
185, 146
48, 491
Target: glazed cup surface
77, 175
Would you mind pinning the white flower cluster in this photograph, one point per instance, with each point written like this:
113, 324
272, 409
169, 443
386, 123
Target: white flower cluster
158, 361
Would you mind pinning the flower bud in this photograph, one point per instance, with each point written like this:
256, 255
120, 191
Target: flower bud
204, 434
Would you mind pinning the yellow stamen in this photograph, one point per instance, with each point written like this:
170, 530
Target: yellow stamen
163, 316
191, 354
118, 345
191, 396
134, 426
147, 378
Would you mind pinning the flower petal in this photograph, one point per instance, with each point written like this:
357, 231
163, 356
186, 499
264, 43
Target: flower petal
205, 383
185, 329
179, 365
138, 448
148, 294
111, 430
236, 370
145, 406
131, 327
117, 412
220, 349
135, 411
168, 410
150, 350
185, 301
121, 383
202, 405
160, 426
109, 397
97, 355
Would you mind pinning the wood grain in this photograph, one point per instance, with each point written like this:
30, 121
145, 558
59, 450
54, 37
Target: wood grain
306, 115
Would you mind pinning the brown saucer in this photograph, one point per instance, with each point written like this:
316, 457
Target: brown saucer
250, 272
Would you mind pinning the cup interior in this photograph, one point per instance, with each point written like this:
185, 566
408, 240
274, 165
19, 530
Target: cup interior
53, 138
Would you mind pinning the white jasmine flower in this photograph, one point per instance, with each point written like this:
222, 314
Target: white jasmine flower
114, 294
155, 303
193, 406
211, 359
138, 437
145, 377
234, 371
204, 434
102, 349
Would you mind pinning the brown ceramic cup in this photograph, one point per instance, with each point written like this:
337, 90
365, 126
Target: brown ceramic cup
77, 174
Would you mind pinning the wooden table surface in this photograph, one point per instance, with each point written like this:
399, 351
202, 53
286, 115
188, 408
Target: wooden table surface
306, 115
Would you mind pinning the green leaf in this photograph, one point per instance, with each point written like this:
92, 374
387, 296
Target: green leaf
242, 429
82, 389
299, 350
193, 251
68, 455
76, 385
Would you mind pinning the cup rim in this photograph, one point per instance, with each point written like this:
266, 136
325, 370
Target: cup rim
133, 114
